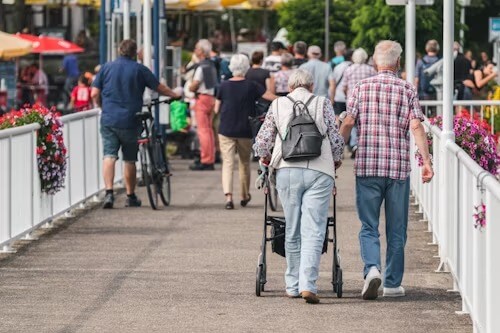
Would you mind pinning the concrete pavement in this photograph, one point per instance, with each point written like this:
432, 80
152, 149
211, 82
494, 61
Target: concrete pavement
191, 268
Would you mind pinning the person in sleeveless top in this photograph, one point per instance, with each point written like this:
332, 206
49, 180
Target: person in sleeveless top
304, 187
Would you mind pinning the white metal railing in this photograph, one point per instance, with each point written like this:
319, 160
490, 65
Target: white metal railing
22, 205
473, 107
466, 252
17, 182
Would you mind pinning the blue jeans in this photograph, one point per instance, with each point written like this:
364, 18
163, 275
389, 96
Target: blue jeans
370, 192
305, 196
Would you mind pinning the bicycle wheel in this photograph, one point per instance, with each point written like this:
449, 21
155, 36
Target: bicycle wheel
162, 179
273, 192
165, 192
151, 179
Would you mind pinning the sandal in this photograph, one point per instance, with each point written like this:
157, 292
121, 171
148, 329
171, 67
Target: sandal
246, 201
229, 205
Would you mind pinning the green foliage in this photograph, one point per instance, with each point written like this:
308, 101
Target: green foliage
305, 20
376, 21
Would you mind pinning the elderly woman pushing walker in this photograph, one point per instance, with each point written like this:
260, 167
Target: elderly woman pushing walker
304, 185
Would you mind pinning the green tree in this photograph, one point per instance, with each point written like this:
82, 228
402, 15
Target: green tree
305, 20
375, 21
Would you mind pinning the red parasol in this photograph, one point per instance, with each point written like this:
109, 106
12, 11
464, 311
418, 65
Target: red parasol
50, 45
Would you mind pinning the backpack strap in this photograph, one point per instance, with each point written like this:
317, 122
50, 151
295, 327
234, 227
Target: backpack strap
306, 104
278, 120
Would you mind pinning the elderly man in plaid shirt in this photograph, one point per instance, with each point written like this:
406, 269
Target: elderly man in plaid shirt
386, 109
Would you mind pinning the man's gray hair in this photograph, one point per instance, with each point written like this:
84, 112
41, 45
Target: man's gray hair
339, 46
387, 53
359, 56
287, 60
205, 46
239, 65
300, 78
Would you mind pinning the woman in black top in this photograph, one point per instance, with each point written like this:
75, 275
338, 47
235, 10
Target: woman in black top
263, 77
236, 99
258, 74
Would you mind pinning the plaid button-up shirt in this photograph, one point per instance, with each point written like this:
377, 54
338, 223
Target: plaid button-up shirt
383, 106
355, 73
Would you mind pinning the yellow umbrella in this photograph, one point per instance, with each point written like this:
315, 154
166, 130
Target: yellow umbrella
254, 4
12, 46
204, 5
226, 3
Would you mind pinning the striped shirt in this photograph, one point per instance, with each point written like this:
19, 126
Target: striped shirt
383, 106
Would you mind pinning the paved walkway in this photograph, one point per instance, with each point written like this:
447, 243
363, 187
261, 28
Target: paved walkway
191, 268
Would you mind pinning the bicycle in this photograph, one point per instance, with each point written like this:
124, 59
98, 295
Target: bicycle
154, 162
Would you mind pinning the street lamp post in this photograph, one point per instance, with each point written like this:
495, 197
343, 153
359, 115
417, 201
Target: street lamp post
327, 29
463, 4
103, 42
146, 21
126, 19
410, 41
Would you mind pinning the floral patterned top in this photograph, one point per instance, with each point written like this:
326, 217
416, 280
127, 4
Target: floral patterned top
281, 81
264, 142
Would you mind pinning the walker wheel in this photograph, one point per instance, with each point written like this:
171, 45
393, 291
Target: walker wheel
339, 283
258, 285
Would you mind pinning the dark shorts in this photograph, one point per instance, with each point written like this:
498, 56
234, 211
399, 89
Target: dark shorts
115, 138
339, 107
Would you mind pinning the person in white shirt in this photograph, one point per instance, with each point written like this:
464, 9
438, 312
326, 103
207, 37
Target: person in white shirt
273, 62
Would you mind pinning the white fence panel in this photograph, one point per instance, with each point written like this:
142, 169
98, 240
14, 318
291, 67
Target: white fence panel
17, 161
76, 161
92, 169
21, 187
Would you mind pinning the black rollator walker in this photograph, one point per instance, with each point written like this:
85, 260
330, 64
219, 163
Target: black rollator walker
274, 232
152, 156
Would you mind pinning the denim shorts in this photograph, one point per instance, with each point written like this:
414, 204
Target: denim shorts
114, 138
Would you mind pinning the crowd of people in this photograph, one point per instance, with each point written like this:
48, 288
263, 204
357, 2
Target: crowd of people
277, 90
34, 86
473, 79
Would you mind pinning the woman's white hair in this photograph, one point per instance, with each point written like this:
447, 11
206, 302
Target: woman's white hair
205, 46
387, 53
359, 56
239, 65
300, 78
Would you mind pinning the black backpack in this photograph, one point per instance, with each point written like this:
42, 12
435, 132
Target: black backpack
302, 140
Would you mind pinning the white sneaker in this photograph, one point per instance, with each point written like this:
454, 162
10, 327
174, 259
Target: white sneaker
373, 281
394, 292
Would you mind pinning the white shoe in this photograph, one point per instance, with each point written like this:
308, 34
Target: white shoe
394, 292
373, 281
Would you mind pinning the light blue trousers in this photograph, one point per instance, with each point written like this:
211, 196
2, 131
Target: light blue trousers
370, 193
305, 196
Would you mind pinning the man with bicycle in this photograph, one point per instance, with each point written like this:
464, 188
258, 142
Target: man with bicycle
118, 88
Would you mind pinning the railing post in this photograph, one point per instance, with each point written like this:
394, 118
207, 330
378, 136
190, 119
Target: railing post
447, 133
32, 196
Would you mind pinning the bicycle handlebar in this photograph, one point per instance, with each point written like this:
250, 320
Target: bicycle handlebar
157, 101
